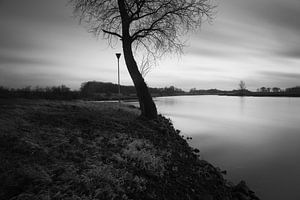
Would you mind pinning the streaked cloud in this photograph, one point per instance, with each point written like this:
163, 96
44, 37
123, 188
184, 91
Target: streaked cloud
257, 41
280, 75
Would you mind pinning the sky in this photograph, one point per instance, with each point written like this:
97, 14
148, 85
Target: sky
257, 41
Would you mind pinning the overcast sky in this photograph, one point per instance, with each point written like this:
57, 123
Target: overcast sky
257, 41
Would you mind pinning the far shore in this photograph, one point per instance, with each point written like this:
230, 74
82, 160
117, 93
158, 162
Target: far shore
135, 99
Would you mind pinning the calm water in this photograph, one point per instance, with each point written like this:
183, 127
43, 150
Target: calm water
254, 138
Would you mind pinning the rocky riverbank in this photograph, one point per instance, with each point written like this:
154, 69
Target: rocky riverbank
87, 150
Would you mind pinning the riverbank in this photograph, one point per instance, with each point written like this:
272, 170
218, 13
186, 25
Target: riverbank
90, 150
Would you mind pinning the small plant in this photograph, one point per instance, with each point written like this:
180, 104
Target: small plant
141, 153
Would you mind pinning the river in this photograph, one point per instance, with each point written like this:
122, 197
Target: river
256, 139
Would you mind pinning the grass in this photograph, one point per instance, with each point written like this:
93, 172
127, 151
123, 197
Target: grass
89, 150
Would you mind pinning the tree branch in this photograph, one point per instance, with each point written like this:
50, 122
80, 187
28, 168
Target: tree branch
112, 33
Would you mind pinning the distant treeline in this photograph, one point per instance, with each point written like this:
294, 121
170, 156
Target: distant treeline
56, 92
263, 91
93, 90
100, 90
291, 92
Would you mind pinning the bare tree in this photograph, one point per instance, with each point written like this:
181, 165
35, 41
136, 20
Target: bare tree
275, 89
153, 25
263, 89
242, 87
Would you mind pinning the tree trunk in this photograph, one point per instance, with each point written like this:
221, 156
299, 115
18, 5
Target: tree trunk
147, 105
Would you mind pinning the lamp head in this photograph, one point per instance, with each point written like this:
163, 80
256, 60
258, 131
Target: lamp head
118, 55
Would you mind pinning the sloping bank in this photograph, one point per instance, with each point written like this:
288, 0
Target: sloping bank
84, 151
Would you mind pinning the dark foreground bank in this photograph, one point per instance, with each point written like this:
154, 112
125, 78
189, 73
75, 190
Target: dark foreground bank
84, 150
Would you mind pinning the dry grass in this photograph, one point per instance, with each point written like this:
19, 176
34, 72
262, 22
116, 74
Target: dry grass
89, 150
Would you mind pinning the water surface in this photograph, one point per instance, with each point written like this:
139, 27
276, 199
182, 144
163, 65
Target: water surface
254, 138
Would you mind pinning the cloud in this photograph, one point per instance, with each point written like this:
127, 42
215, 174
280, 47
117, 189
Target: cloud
22, 61
12, 39
289, 52
281, 75
207, 52
277, 21
43, 11
284, 14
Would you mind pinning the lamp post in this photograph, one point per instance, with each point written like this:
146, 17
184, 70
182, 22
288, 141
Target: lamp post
119, 90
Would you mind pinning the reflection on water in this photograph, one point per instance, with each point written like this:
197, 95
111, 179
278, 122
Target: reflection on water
253, 138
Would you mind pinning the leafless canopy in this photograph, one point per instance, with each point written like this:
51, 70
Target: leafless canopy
242, 85
156, 25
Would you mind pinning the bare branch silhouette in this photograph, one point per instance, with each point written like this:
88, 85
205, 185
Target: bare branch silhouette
153, 27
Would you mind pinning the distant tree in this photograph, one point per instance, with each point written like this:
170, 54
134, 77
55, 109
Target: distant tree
39, 89
275, 89
155, 26
242, 87
268, 89
293, 90
26, 89
263, 89
169, 90
193, 90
